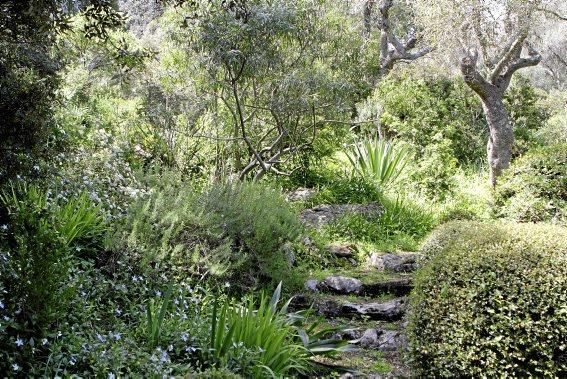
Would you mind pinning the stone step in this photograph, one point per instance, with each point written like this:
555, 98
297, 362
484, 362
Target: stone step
398, 262
333, 307
343, 285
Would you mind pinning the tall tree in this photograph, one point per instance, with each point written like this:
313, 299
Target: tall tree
494, 40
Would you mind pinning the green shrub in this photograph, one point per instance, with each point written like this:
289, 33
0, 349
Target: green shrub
231, 232
535, 187
491, 301
39, 240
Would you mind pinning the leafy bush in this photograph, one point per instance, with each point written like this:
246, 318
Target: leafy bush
226, 231
491, 301
535, 188
39, 241
380, 160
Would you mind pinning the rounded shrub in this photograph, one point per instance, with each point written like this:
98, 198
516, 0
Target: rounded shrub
535, 188
491, 301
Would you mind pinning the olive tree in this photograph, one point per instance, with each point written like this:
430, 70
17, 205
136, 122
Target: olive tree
494, 39
279, 70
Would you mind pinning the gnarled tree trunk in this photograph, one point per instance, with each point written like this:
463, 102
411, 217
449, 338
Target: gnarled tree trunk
501, 138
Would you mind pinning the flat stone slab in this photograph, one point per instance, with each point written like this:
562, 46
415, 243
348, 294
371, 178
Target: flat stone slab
400, 262
324, 214
341, 285
397, 287
392, 310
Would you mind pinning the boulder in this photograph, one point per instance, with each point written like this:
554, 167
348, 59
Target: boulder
341, 285
324, 214
401, 262
311, 285
369, 338
392, 310
341, 250
391, 340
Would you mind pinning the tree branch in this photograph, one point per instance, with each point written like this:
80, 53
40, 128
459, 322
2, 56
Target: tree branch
472, 77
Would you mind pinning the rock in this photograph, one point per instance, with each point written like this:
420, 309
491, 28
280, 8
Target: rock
369, 338
391, 340
349, 334
307, 241
311, 285
299, 302
324, 214
301, 194
328, 308
398, 287
341, 285
401, 262
341, 250
392, 310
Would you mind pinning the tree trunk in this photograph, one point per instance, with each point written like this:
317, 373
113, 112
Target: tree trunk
501, 139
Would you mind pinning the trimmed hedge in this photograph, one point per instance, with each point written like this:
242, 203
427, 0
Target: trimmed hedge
491, 301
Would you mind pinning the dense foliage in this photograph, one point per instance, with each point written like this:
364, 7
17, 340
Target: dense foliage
535, 189
491, 300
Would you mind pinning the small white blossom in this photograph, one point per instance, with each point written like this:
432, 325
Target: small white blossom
184, 337
19, 342
111, 375
44, 341
117, 336
15, 367
1, 305
4, 227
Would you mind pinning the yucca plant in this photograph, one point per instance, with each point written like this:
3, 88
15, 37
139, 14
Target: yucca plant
380, 160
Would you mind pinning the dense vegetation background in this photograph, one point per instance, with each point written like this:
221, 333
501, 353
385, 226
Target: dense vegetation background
152, 153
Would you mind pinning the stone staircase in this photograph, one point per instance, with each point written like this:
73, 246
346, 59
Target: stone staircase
373, 308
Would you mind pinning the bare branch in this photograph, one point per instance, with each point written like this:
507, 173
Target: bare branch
508, 54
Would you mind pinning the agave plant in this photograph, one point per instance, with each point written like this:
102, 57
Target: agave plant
378, 159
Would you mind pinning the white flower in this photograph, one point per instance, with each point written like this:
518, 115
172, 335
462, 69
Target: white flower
158, 293
190, 349
1, 305
4, 227
117, 336
100, 338
15, 367
184, 337
36, 167
19, 342
72, 361
118, 312
111, 376
227, 284
44, 341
